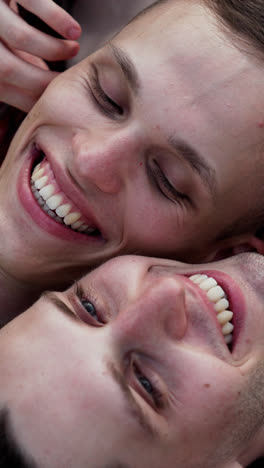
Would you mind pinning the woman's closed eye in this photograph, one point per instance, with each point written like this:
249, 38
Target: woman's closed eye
107, 105
164, 185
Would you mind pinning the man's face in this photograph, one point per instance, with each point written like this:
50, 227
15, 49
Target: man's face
151, 145
131, 366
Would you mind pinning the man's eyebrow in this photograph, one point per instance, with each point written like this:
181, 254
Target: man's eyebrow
59, 304
126, 65
196, 161
133, 406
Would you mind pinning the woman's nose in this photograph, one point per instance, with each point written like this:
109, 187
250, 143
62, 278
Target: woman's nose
159, 312
105, 159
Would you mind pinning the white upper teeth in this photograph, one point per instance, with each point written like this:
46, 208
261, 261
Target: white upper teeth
47, 192
41, 182
37, 173
217, 296
72, 218
44, 189
63, 210
54, 201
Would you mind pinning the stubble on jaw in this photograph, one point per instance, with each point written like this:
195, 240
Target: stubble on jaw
249, 415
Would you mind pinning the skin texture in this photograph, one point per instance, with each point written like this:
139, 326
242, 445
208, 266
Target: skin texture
23, 50
149, 323
111, 152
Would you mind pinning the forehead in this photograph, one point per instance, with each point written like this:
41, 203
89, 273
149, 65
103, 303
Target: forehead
182, 46
197, 86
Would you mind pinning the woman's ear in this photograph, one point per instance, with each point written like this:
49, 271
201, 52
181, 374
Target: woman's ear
236, 245
248, 243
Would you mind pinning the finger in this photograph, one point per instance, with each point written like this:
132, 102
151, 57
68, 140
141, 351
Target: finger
55, 16
13, 5
18, 98
36, 61
15, 71
18, 34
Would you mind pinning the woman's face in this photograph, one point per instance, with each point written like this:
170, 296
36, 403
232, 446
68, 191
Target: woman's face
131, 366
142, 148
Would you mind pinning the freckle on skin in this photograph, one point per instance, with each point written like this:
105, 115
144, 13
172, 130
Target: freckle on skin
141, 163
261, 124
207, 385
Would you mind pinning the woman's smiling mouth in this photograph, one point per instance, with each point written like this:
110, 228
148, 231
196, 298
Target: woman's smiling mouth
54, 202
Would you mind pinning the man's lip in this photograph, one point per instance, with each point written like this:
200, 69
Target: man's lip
207, 304
237, 303
69, 188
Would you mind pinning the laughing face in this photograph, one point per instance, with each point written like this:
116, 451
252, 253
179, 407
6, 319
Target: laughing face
153, 149
142, 356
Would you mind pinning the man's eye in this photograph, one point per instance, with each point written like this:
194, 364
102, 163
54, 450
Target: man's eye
148, 387
89, 307
164, 185
146, 384
89, 311
106, 104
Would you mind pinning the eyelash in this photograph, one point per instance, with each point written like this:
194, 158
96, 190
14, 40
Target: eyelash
156, 395
168, 190
102, 100
84, 300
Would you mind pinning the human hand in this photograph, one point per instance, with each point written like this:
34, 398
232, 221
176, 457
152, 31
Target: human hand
23, 73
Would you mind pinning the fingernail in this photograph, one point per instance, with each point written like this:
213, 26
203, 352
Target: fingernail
75, 50
74, 33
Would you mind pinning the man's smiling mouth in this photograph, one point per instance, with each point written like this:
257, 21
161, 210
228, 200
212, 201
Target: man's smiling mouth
218, 297
54, 202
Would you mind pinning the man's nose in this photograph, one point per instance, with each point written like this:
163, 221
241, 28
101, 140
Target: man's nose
159, 312
106, 159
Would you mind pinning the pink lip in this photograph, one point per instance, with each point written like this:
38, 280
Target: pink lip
40, 217
235, 297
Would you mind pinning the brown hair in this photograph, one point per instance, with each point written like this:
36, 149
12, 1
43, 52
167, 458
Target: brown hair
244, 18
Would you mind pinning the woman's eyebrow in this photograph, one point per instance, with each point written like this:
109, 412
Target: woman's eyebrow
141, 417
196, 161
127, 66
